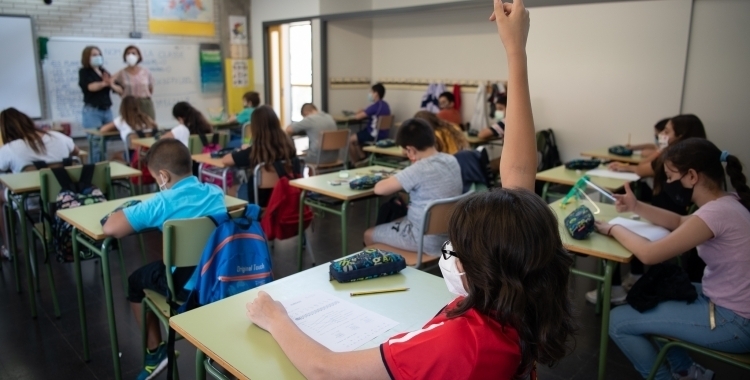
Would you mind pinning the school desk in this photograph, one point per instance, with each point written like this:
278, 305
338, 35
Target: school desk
604, 154
225, 124
599, 246
321, 184
87, 231
204, 159
100, 138
475, 141
394, 151
145, 142
569, 177
249, 352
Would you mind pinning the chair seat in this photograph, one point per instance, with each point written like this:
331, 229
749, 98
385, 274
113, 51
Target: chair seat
159, 301
409, 256
742, 358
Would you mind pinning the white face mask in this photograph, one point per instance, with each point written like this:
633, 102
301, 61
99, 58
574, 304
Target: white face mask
663, 141
499, 115
131, 59
452, 277
163, 185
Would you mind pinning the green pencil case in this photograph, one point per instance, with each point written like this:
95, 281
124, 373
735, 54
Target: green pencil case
366, 264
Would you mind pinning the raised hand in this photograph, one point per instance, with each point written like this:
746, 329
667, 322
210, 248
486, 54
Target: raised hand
627, 202
512, 21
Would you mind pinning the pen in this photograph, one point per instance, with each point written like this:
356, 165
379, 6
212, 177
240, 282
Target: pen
354, 294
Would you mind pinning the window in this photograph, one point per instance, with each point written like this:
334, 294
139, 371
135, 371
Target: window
300, 66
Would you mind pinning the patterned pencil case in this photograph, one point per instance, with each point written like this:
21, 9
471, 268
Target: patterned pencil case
619, 150
387, 143
365, 183
580, 223
579, 164
127, 204
366, 264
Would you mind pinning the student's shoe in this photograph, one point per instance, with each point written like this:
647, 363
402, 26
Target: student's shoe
630, 280
155, 362
695, 372
618, 296
5, 254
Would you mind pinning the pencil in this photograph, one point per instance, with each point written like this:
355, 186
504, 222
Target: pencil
628, 138
354, 294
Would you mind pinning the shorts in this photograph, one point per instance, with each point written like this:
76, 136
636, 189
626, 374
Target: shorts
403, 235
364, 136
153, 276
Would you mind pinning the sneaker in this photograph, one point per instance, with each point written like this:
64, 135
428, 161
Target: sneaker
155, 362
5, 254
695, 372
630, 280
618, 296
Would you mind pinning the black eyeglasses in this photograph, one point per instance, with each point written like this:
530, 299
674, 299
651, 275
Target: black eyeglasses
448, 250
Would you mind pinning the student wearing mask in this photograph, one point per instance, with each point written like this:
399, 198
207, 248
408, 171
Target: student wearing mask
649, 149
510, 276
137, 81
96, 83
720, 230
496, 130
378, 107
192, 122
448, 112
313, 124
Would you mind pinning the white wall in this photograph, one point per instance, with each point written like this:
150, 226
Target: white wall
717, 82
349, 55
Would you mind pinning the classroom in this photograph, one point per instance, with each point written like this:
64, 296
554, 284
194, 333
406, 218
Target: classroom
290, 189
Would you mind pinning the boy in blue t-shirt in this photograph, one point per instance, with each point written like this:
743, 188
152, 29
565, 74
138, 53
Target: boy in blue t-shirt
378, 108
251, 101
182, 196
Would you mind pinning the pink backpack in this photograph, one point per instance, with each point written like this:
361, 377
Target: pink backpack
211, 147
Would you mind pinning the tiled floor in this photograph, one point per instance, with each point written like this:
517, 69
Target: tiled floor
49, 348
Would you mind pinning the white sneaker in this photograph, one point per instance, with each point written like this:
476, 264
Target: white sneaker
630, 280
695, 372
618, 295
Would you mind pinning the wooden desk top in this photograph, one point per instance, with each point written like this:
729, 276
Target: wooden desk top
145, 142
225, 124
596, 245
344, 119
570, 177
249, 352
319, 184
87, 218
474, 140
28, 182
604, 154
96, 132
205, 158
395, 151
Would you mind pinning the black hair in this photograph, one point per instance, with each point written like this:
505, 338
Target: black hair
685, 127
448, 96
308, 107
193, 119
417, 133
378, 87
661, 124
170, 155
252, 97
501, 99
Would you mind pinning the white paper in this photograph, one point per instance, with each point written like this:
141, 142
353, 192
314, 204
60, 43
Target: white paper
647, 230
339, 325
613, 174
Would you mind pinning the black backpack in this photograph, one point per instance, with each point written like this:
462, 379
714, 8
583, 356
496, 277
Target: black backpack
548, 156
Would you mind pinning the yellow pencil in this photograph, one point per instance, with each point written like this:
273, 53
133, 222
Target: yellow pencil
354, 294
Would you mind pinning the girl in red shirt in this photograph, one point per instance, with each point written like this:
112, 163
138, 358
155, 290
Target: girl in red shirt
505, 260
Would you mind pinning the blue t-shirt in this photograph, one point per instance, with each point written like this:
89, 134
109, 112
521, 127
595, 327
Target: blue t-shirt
379, 108
188, 198
244, 116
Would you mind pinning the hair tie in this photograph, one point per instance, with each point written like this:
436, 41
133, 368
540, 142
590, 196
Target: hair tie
724, 155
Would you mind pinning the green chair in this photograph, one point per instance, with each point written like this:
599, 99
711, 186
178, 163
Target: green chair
184, 241
739, 360
195, 145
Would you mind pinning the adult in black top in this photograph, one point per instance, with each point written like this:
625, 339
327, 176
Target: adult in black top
96, 84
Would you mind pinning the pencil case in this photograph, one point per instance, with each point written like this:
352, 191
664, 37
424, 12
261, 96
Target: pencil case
127, 204
619, 150
365, 183
580, 223
366, 264
579, 164
387, 143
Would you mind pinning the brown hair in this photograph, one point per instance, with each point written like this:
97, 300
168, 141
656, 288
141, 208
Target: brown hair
252, 97
15, 125
446, 129
270, 142
517, 270
130, 111
685, 127
86, 56
193, 119
704, 157
170, 155
132, 47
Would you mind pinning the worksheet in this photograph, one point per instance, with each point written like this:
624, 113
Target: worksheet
647, 230
339, 325
606, 173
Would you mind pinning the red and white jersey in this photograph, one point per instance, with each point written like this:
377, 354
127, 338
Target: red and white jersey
471, 346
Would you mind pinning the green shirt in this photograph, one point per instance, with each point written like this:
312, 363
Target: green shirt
244, 116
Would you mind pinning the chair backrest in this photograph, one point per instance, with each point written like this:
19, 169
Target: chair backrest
334, 140
246, 132
51, 165
437, 214
385, 122
49, 187
195, 145
263, 178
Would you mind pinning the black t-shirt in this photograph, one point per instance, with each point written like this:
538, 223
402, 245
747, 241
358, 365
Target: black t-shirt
242, 158
97, 99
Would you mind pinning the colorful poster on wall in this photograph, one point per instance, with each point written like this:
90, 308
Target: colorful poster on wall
239, 80
238, 29
185, 17
212, 78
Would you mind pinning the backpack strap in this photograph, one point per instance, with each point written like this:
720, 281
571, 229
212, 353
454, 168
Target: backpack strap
63, 178
280, 169
140, 134
203, 138
215, 139
39, 164
252, 212
87, 175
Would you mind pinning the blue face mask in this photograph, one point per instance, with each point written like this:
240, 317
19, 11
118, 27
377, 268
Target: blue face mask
97, 61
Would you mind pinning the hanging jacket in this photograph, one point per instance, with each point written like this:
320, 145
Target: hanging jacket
480, 119
431, 96
457, 96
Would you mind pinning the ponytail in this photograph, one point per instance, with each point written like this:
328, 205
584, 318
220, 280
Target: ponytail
738, 180
193, 119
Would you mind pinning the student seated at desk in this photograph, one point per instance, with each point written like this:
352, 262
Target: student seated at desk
505, 262
270, 144
130, 122
720, 230
496, 130
181, 196
448, 137
314, 123
250, 101
649, 149
431, 176
448, 112
378, 108
192, 122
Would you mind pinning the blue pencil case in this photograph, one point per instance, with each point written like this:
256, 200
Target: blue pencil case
366, 264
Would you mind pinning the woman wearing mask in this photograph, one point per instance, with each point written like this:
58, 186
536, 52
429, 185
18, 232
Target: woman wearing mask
137, 81
96, 84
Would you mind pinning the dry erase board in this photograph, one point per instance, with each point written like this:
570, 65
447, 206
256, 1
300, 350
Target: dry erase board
18, 66
174, 65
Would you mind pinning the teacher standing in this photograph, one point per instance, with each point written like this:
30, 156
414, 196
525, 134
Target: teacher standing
96, 84
136, 80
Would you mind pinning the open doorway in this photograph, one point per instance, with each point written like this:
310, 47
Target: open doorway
289, 67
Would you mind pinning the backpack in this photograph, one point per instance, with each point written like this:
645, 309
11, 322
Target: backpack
548, 156
212, 147
281, 220
72, 195
146, 178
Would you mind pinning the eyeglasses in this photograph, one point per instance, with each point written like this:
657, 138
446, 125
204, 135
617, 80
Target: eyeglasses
448, 250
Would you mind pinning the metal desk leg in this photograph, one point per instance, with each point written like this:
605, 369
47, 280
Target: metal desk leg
545, 188
27, 253
224, 174
103, 148
200, 369
605, 301
343, 228
11, 233
91, 148
300, 228
79, 292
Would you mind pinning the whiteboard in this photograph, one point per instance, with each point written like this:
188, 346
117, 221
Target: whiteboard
18, 77
174, 65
